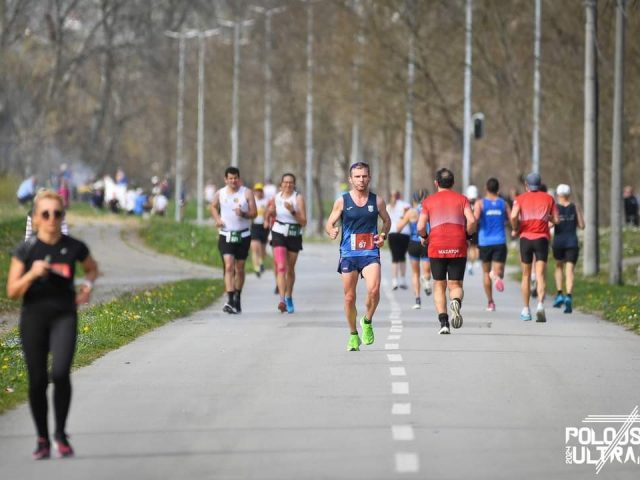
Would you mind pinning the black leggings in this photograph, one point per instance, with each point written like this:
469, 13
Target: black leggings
41, 334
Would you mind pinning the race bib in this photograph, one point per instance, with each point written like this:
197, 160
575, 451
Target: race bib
234, 237
61, 269
294, 230
362, 241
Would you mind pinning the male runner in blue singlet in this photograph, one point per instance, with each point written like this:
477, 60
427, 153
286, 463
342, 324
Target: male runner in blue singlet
358, 210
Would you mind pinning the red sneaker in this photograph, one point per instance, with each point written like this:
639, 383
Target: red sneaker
43, 449
63, 446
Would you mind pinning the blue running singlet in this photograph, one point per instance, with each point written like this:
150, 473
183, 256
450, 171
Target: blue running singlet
359, 225
492, 220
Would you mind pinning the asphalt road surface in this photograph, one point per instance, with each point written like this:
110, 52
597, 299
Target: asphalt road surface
264, 395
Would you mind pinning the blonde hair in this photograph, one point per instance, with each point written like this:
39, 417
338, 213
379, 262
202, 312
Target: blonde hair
46, 194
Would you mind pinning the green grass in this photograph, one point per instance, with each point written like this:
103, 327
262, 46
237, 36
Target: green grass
186, 240
105, 327
11, 234
617, 303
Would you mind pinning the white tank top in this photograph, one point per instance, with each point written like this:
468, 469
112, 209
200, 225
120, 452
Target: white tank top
228, 203
283, 215
261, 206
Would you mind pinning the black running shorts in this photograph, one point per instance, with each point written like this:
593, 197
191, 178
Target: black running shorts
293, 243
258, 232
493, 253
569, 255
238, 250
398, 244
448, 268
538, 247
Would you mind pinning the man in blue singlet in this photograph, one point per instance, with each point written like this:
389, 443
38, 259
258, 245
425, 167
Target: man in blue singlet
358, 210
492, 213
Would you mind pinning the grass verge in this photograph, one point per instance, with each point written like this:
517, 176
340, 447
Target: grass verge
108, 326
195, 243
616, 303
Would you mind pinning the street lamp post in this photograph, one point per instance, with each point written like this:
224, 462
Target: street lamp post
268, 13
535, 155
466, 141
237, 26
309, 115
181, 36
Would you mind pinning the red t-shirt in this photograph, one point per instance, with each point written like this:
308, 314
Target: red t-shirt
448, 235
536, 209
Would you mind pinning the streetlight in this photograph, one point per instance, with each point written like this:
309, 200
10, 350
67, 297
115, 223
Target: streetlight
466, 140
536, 92
237, 25
268, 13
181, 36
200, 166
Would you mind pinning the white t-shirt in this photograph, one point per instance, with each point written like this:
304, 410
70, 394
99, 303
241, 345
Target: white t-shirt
283, 215
261, 207
396, 212
228, 203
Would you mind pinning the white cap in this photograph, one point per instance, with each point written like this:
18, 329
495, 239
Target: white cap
472, 192
563, 189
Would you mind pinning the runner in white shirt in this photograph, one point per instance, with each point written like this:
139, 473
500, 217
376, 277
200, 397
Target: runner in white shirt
398, 240
290, 215
233, 207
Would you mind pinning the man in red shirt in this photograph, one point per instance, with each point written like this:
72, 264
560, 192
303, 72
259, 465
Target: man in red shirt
530, 216
450, 219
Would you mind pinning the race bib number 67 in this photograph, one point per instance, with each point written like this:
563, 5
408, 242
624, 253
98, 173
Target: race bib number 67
362, 241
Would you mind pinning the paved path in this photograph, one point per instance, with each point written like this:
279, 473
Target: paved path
125, 263
264, 395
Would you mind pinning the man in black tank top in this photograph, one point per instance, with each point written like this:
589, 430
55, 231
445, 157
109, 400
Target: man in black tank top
565, 246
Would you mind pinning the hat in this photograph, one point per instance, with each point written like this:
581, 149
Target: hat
533, 181
563, 189
258, 186
472, 192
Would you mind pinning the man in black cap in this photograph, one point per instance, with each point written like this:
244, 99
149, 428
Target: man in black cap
532, 211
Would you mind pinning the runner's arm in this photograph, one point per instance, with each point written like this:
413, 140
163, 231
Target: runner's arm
300, 212
406, 218
334, 216
252, 212
579, 218
515, 213
477, 210
90, 268
423, 219
214, 209
554, 217
471, 220
386, 221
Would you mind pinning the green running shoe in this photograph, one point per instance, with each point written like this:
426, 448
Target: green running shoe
354, 343
367, 332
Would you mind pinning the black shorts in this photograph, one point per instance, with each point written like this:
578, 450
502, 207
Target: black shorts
448, 268
258, 232
399, 244
569, 254
539, 247
493, 253
238, 250
293, 243
417, 251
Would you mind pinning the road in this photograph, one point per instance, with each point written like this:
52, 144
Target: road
124, 262
265, 395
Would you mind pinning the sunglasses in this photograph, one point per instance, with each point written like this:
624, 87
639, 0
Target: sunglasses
57, 214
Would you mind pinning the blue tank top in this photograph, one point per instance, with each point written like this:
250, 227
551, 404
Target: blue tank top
565, 235
413, 227
358, 220
492, 220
